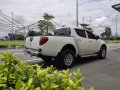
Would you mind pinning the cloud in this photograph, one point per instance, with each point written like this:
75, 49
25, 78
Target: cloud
113, 18
29, 11
102, 22
99, 24
0, 10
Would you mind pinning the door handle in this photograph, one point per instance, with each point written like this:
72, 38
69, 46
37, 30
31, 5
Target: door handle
78, 40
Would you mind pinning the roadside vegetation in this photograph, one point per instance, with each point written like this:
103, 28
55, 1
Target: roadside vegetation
46, 25
11, 44
112, 41
107, 36
17, 75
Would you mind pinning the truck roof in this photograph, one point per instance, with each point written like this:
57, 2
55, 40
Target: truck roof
77, 28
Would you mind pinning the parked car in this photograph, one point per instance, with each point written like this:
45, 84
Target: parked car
65, 45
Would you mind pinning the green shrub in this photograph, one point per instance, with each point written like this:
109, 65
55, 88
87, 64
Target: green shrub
3, 46
17, 75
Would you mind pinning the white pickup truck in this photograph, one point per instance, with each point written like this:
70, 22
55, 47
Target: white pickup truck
65, 45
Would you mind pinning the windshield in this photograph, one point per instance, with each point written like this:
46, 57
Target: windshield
62, 32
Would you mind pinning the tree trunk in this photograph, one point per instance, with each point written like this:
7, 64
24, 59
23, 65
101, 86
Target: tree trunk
47, 29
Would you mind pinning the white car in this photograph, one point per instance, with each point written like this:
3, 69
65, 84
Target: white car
65, 45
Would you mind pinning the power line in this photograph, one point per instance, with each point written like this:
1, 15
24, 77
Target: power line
6, 17
8, 20
4, 21
32, 24
57, 24
6, 25
11, 18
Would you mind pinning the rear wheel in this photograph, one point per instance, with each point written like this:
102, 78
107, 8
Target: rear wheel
66, 59
102, 52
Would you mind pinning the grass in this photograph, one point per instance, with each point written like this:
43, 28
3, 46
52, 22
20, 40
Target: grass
112, 41
5, 44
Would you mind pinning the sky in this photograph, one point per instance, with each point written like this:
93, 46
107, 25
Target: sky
64, 11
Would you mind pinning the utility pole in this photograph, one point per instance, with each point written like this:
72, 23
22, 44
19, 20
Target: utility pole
15, 35
28, 30
90, 21
24, 32
83, 20
116, 28
77, 13
12, 25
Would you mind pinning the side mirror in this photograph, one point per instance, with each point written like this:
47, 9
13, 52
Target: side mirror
97, 37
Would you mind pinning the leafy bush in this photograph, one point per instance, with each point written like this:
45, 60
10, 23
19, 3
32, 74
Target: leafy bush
17, 75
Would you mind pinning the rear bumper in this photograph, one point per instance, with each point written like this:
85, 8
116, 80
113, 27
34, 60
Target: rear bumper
32, 52
35, 53
41, 53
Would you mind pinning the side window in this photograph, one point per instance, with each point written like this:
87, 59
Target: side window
81, 33
90, 35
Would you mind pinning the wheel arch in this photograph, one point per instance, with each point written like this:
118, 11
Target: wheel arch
100, 55
103, 45
69, 46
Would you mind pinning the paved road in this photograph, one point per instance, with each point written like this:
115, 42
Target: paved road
102, 74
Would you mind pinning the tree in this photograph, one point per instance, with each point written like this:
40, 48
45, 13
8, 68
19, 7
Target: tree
33, 33
19, 37
6, 37
11, 36
86, 26
108, 32
103, 35
46, 24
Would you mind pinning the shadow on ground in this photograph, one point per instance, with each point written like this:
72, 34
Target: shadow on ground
78, 61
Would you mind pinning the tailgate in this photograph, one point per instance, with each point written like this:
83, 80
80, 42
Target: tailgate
32, 42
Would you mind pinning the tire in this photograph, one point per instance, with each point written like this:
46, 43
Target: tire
102, 53
47, 59
66, 59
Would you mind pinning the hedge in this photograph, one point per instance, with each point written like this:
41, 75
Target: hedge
11, 44
17, 75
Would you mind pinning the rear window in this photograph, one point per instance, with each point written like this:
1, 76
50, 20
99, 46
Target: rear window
80, 33
62, 32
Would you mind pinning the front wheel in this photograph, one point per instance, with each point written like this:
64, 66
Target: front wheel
66, 58
102, 53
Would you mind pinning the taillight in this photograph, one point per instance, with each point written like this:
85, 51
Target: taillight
43, 40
